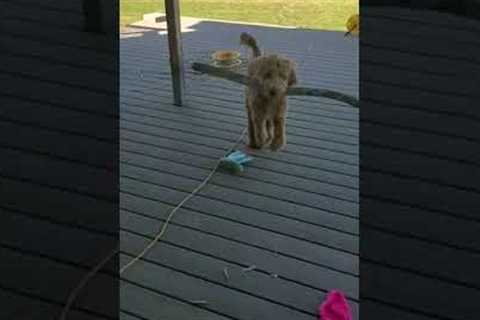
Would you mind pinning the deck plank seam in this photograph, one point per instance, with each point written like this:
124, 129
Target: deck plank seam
420, 153
57, 222
336, 152
246, 178
157, 157
56, 105
265, 158
301, 124
251, 208
22, 123
330, 211
56, 62
59, 188
242, 118
421, 207
218, 283
259, 270
410, 235
310, 146
197, 212
173, 297
236, 104
160, 114
25, 75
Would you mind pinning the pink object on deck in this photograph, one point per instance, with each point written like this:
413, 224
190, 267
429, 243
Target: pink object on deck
335, 307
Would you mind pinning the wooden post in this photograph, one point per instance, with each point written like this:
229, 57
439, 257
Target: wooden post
172, 11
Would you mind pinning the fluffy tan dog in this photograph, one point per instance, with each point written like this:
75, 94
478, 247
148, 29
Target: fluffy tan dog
270, 76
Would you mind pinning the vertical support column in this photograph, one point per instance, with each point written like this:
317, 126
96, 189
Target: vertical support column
172, 11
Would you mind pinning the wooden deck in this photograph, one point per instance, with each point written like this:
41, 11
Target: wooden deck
58, 144
58, 112
293, 215
419, 165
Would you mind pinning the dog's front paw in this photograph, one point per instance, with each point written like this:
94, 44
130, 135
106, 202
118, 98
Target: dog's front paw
277, 145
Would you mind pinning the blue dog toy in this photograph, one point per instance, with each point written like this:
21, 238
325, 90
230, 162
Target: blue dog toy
234, 161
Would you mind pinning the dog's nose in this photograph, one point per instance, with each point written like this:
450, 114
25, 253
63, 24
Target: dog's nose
273, 92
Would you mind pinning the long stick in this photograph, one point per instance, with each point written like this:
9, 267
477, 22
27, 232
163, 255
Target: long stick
294, 91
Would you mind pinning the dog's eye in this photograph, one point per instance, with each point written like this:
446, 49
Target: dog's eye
268, 75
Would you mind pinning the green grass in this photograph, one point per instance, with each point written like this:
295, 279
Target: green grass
310, 14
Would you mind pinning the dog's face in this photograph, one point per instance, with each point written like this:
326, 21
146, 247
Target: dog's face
271, 76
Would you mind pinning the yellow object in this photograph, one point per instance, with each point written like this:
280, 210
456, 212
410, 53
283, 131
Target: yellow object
353, 25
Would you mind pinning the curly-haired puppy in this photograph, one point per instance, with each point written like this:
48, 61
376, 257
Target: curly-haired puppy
270, 76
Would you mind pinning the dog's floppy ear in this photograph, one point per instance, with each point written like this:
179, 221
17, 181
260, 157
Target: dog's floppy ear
292, 76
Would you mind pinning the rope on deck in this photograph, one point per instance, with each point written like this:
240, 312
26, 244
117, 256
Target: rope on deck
74, 293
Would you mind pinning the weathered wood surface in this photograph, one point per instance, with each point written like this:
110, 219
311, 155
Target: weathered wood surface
58, 134
420, 165
292, 214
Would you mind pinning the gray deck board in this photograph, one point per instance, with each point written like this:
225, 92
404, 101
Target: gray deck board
224, 116
15, 260
16, 163
138, 301
326, 219
303, 145
242, 255
13, 307
44, 140
234, 101
322, 201
56, 73
35, 89
335, 125
293, 214
193, 288
250, 201
32, 47
292, 152
73, 121
257, 221
52, 34
281, 245
434, 221
54, 5
324, 163
58, 144
182, 163
257, 283
151, 117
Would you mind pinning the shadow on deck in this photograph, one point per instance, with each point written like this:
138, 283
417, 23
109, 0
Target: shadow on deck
293, 215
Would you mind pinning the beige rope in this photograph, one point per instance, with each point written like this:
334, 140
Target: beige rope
99, 266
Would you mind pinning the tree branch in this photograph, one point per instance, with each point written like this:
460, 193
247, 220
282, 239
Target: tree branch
294, 91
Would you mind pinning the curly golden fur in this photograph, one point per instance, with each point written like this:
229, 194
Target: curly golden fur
270, 76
